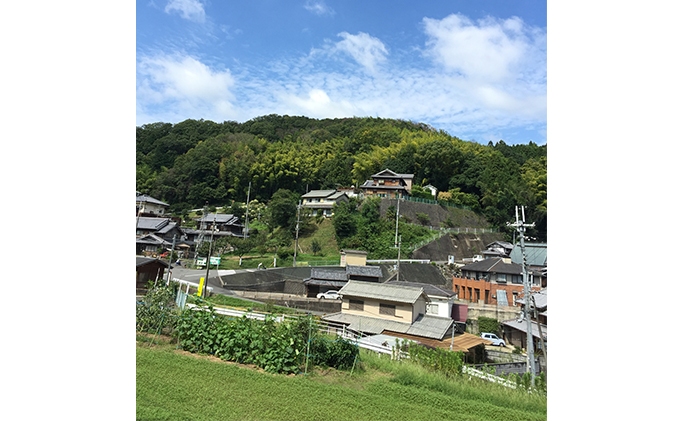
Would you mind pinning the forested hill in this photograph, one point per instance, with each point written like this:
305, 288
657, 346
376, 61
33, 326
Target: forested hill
195, 161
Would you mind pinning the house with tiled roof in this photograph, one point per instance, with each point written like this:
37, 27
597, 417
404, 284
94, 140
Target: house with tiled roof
387, 184
321, 202
325, 279
396, 311
495, 280
149, 206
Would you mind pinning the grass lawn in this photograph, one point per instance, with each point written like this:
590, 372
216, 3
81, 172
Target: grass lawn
172, 385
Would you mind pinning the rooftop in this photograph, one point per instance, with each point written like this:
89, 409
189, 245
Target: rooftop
493, 265
387, 292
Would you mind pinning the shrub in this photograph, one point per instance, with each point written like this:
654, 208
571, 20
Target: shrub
488, 325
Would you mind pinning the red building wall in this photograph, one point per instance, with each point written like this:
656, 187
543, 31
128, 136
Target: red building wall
473, 290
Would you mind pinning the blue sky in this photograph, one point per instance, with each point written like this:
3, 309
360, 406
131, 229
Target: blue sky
476, 69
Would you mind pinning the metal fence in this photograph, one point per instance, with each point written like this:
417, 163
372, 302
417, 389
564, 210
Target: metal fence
359, 338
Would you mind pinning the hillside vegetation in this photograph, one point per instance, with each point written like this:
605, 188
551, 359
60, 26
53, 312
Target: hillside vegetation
195, 161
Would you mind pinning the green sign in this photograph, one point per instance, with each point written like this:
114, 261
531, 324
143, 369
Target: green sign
215, 260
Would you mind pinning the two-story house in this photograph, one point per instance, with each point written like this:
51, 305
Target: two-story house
155, 233
322, 201
388, 184
496, 280
148, 206
375, 308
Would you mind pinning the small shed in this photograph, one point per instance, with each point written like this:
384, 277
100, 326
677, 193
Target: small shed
353, 257
149, 269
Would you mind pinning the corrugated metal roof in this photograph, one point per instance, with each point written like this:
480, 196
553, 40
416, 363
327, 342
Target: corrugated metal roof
537, 254
430, 326
387, 292
541, 298
523, 327
367, 324
424, 326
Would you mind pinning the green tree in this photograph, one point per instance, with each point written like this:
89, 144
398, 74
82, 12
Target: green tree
283, 207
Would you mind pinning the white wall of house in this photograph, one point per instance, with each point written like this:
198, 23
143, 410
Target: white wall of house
441, 307
153, 208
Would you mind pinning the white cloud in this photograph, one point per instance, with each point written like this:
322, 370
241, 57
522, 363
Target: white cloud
488, 79
365, 49
184, 84
189, 9
490, 51
317, 103
319, 8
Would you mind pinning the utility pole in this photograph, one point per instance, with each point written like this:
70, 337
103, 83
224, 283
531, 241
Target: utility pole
521, 228
207, 271
170, 256
201, 228
396, 230
297, 231
398, 258
247, 206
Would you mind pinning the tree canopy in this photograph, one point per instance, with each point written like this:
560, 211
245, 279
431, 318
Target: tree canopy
189, 163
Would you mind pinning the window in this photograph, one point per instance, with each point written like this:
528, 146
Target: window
388, 309
433, 308
500, 277
357, 305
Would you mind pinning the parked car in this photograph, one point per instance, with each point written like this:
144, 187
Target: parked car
329, 295
491, 337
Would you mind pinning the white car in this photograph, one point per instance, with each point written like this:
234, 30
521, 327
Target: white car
491, 337
329, 295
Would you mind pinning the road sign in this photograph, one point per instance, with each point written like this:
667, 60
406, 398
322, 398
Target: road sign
215, 260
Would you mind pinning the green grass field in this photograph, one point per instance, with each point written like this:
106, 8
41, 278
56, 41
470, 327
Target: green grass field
172, 386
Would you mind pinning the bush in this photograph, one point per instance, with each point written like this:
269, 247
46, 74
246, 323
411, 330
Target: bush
339, 352
488, 325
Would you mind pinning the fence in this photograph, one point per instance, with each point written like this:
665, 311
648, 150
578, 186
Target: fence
361, 339
435, 202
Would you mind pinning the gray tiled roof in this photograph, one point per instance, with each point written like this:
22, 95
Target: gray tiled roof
328, 274
430, 290
387, 292
148, 223
494, 265
152, 240
143, 198
141, 261
374, 271
318, 193
219, 218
